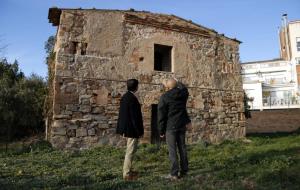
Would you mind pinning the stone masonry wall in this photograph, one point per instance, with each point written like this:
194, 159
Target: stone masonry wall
97, 51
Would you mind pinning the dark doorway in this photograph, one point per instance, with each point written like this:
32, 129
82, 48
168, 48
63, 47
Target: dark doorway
162, 58
155, 139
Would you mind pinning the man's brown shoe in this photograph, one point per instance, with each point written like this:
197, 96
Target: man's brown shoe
134, 173
130, 177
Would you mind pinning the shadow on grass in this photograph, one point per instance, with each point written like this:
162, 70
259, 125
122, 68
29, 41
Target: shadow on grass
21, 148
73, 181
274, 135
287, 178
265, 169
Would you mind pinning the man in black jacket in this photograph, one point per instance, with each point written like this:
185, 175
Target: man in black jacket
130, 125
172, 122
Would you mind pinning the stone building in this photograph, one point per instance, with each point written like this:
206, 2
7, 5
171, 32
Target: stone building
96, 51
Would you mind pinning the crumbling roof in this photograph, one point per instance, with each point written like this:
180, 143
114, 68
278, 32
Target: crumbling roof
164, 21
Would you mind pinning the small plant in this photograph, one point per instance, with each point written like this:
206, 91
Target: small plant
246, 106
40, 145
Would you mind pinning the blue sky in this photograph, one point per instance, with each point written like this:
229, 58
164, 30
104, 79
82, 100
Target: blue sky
25, 28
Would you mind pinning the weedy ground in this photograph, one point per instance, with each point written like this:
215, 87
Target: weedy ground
267, 162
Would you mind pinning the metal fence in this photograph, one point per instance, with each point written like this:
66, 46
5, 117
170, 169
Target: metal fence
278, 102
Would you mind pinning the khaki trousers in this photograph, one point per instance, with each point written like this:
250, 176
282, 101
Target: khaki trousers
130, 150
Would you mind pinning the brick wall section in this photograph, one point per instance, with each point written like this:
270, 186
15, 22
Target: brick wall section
270, 121
298, 73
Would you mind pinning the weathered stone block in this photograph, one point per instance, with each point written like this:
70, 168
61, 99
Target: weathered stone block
221, 120
103, 125
98, 109
84, 99
103, 140
59, 141
71, 132
64, 73
91, 132
81, 132
228, 120
59, 124
63, 98
198, 104
62, 116
85, 108
212, 115
58, 131
206, 115
71, 107
71, 88
101, 96
222, 115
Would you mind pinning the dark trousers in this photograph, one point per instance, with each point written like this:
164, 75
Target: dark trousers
176, 139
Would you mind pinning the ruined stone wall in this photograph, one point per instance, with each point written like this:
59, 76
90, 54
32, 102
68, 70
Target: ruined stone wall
90, 79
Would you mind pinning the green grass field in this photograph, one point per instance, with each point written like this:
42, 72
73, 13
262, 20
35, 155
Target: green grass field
268, 162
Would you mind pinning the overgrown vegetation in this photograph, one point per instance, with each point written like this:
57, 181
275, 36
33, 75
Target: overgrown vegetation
22, 98
267, 162
48, 106
21, 102
246, 106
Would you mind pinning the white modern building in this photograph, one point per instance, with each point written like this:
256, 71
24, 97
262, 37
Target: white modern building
290, 44
270, 84
274, 84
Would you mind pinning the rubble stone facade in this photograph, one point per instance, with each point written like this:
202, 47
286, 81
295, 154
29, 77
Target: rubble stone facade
98, 50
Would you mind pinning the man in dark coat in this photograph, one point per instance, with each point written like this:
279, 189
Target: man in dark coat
172, 121
130, 125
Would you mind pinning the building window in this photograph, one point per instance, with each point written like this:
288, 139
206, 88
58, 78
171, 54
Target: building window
298, 60
162, 58
77, 47
298, 44
73, 47
83, 48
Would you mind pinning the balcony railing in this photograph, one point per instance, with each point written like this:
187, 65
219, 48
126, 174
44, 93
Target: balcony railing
276, 102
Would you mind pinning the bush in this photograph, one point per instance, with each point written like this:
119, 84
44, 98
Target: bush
21, 102
40, 145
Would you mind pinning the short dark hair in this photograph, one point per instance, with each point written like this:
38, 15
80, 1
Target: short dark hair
132, 85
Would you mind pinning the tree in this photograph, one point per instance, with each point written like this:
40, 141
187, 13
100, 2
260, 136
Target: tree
21, 102
246, 106
9, 78
48, 105
49, 45
31, 91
